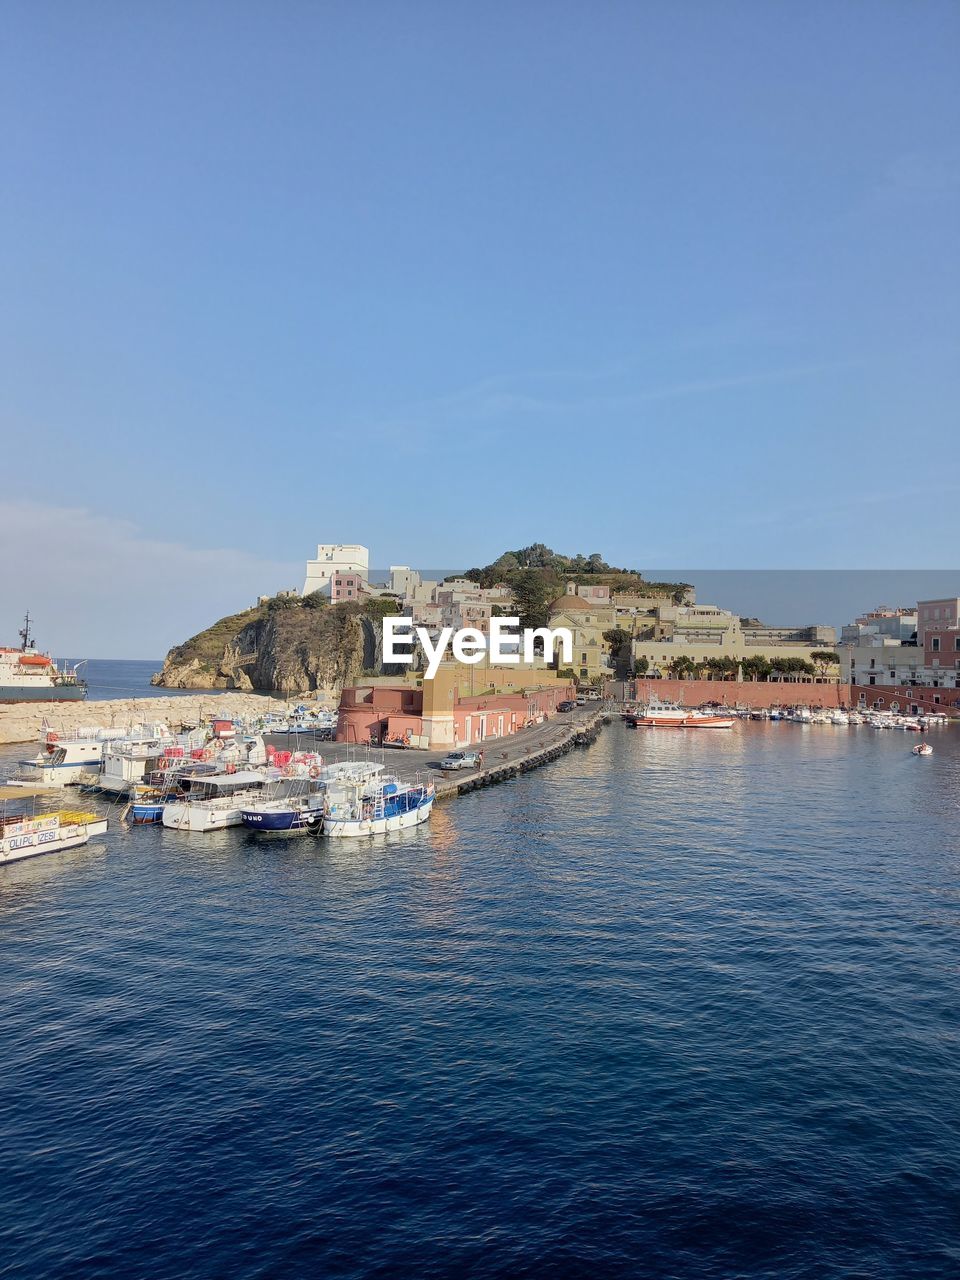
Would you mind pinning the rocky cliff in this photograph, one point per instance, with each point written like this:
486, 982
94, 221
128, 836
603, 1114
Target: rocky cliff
290, 648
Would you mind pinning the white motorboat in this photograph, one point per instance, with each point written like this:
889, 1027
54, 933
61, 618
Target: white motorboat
63, 759
216, 801
923, 749
668, 715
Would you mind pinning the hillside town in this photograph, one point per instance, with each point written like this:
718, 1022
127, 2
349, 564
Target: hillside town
889, 659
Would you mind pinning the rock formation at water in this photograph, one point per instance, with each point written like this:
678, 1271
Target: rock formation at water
287, 646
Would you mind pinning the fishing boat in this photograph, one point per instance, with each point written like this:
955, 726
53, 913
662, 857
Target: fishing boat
216, 801
127, 761
27, 675
291, 808
376, 806
64, 758
27, 835
668, 715
148, 800
297, 802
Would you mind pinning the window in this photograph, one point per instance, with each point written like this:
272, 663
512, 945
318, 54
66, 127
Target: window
935, 644
956, 643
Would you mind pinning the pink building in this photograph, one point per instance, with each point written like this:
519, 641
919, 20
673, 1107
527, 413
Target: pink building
938, 632
347, 586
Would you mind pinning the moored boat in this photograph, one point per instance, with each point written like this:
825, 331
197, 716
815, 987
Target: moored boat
376, 806
27, 675
216, 801
668, 715
27, 835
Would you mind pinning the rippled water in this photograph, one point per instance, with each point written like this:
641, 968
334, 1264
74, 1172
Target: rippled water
123, 678
680, 1005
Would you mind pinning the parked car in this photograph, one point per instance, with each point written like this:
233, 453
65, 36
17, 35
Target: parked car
581, 700
566, 706
461, 760
593, 695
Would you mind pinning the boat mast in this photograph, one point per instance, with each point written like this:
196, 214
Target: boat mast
25, 634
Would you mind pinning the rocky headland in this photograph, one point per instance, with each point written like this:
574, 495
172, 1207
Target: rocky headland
286, 646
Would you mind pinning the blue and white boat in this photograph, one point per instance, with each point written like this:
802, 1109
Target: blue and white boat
297, 804
292, 815
376, 806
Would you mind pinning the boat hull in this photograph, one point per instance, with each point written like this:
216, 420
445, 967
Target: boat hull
682, 722
10, 693
32, 844
284, 821
359, 827
142, 815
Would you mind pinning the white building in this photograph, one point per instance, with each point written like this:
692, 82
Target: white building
404, 581
335, 557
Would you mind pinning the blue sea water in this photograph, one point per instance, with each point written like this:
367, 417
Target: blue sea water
123, 678
681, 1005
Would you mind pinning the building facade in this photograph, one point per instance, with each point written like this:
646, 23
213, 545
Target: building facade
904, 668
586, 621
700, 632
333, 558
463, 705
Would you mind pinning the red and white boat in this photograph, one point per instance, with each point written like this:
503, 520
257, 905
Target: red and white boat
668, 715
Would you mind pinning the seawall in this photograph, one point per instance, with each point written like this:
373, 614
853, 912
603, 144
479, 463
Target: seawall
22, 721
757, 694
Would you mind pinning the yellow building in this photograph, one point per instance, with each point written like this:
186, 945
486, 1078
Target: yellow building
587, 621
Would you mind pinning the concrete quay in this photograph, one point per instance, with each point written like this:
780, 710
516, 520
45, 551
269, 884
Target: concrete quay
22, 721
504, 758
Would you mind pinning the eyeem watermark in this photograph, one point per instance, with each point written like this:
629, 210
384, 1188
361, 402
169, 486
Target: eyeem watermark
505, 643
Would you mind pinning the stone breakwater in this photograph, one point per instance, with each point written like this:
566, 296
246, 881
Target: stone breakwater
22, 721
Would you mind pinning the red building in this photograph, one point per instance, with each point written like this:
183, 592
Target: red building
938, 633
388, 713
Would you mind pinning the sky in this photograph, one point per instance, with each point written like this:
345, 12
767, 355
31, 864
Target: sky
675, 283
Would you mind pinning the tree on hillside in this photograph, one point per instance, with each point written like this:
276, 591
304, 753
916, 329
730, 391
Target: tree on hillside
641, 667
276, 604
532, 594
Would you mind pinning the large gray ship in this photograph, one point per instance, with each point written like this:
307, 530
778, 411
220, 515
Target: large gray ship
27, 675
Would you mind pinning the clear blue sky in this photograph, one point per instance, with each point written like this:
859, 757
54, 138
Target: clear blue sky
639, 278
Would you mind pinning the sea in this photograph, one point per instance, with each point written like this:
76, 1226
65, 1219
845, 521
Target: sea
124, 678
677, 1005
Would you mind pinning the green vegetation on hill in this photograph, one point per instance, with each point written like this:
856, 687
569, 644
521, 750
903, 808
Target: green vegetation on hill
555, 570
